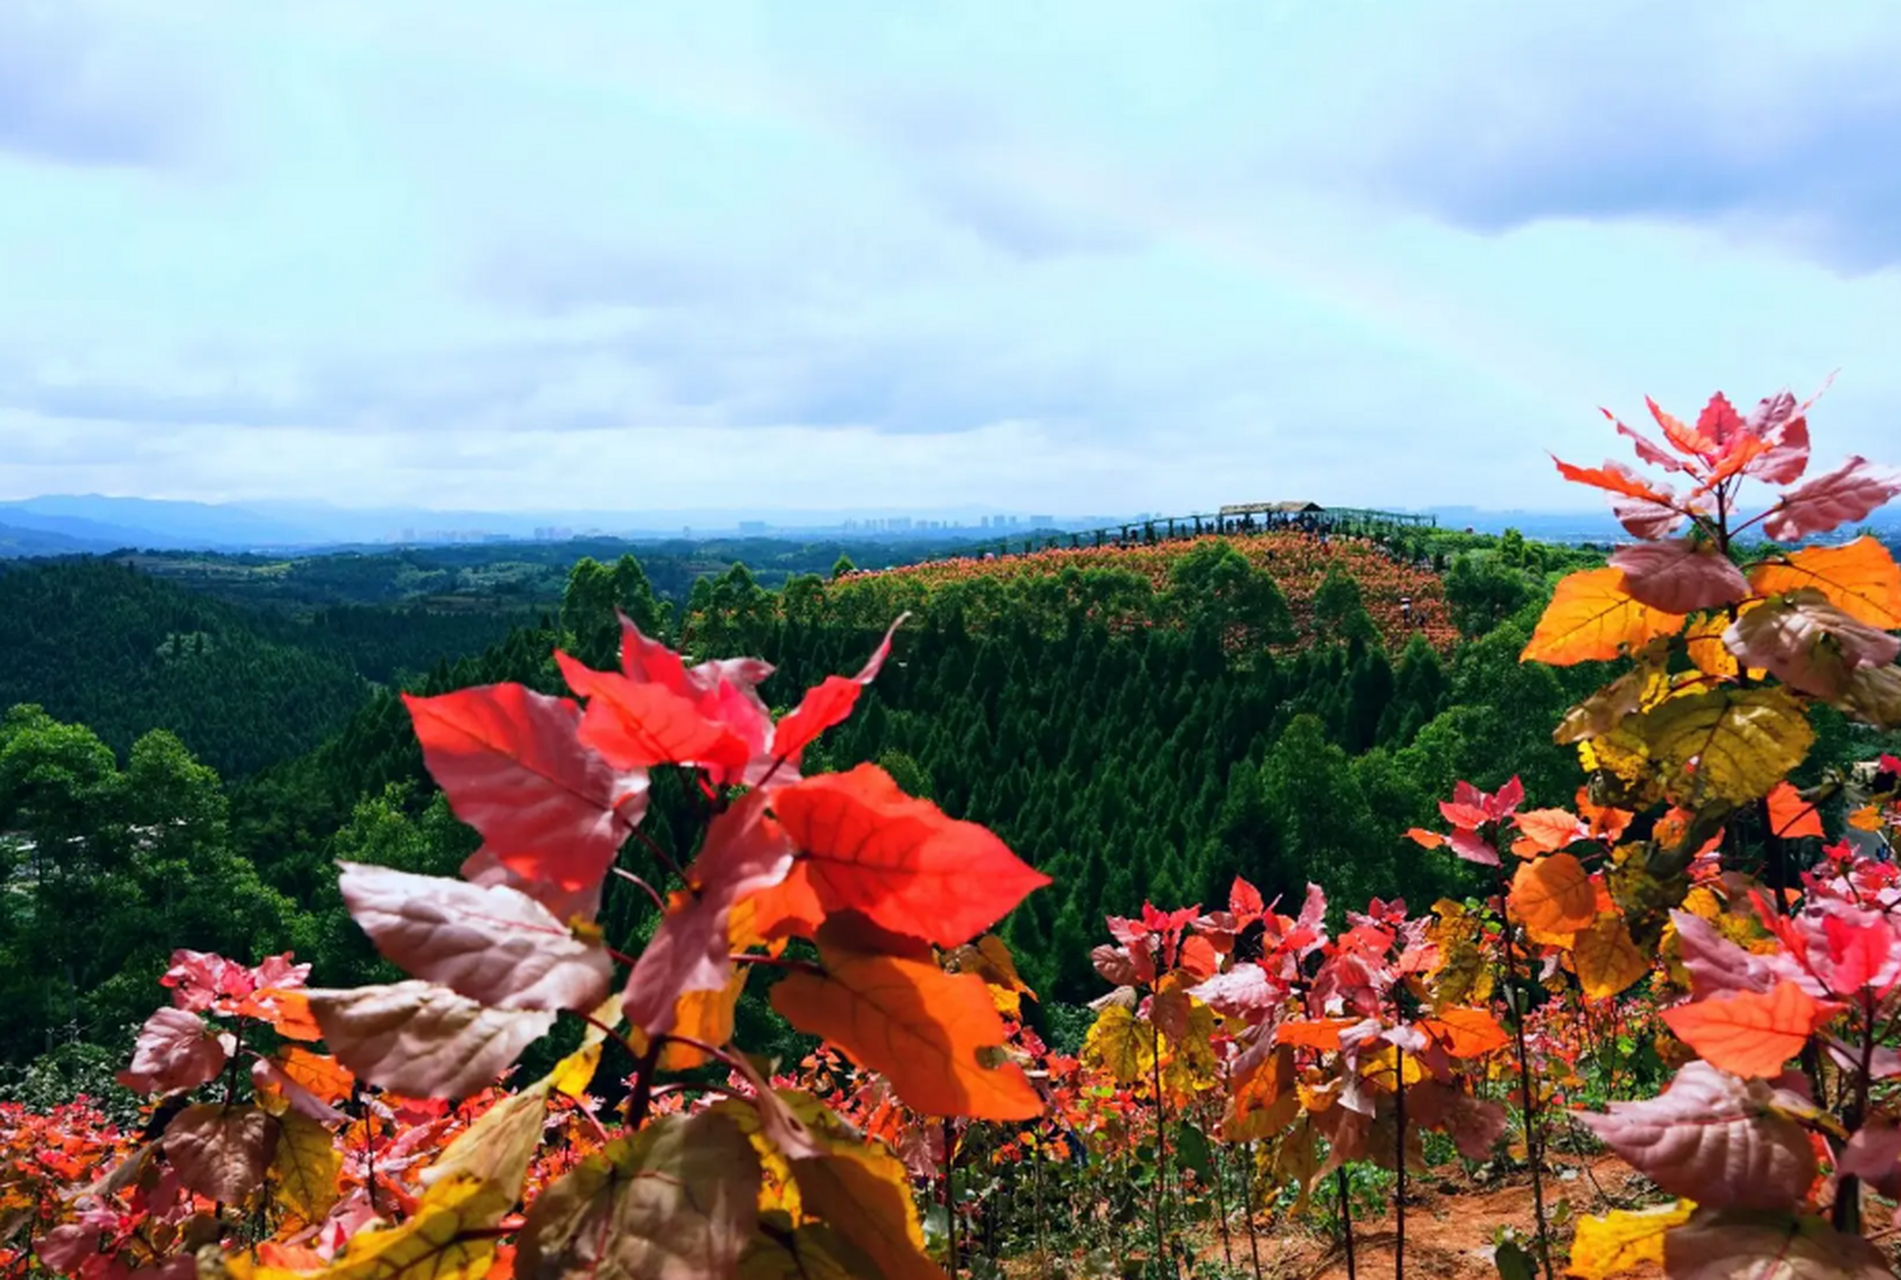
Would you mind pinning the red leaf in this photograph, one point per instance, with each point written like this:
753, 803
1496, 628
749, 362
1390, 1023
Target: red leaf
1859, 948
1719, 423
637, 725
1850, 492
175, 1050
1750, 1033
1547, 831
1715, 1139
1792, 817
496, 945
1677, 575
1245, 901
828, 703
511, 764
744, 852
865, 846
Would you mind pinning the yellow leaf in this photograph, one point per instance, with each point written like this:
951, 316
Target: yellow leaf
1606, 958
1623, 1239
1861, 579
810, 1252
1591, 617
429, 1245
1704, 641
574, 1073
498, 1148
1728, 744
306, 1166
1120, 1045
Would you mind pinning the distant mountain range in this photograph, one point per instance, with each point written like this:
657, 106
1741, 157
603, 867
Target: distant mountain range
70, 525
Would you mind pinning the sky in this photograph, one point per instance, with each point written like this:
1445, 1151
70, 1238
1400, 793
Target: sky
1045, 256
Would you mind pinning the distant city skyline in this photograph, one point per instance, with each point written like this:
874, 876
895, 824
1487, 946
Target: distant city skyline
1099, 255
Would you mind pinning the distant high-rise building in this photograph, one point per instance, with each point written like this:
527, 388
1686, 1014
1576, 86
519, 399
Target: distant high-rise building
1043, 522
753, 528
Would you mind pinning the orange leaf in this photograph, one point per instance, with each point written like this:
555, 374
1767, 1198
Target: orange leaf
1546, 831
286, 1009
1750, 1033
1319, 1033
1592, 617
1792, 817
321, 1074
867, 847
1617, 478
1866, 818
1465, 1033
1861, 579
1553, 895
921, 1028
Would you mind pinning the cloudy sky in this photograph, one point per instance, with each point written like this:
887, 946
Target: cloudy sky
1074, 257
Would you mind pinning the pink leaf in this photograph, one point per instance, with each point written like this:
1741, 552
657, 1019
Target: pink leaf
495, 945
1850, 492
175, 1050
1473, 1123
1714, 1139
1677, 575
1643, 518
1717, 966
828, 703
1245, 991
510, 761
1780, 423
220, 1151
744, 851
1647, 450
423, 1040
1116, 966
1808, 643
1470, 846
1872, 1152
1734, 1246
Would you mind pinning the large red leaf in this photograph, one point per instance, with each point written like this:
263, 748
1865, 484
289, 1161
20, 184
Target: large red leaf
635, 725
827, 703
865, 846
1684, 439
495, 945
1618, 479
924, 1030
1849, 492
1750, 1033
512, 765
1717, 1140
1678, 575
423, 1040
745, 851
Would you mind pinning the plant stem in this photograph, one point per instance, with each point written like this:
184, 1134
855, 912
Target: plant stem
1534, 1154
1399, 1164
1847, 1212
1036, 1181
642, 1097
1161, 1152
1247, 1208
1346, 1216
950, 1188
1221, 1205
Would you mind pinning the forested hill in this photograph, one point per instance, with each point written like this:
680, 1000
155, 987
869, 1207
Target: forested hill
1146, 722
121, 652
